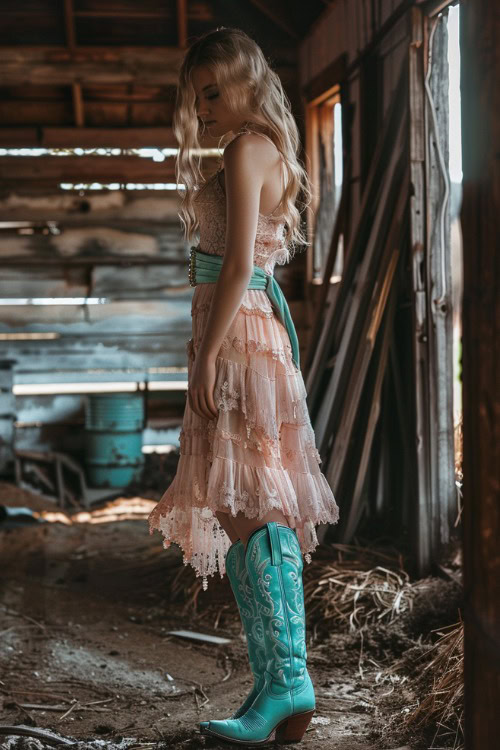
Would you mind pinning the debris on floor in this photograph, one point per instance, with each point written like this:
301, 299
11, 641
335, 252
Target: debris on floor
91, 608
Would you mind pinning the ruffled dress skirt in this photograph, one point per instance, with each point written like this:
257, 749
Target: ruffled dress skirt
260, 451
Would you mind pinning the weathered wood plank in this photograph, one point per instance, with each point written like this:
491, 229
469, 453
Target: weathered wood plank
325, 296
360, 264
107, 353
157, 282
92, 168
480, 221
439, 286
156, 209
423, 512
154, 376
134, 316
44, 282
360, 463
365, 343
57, 65
102, 243
87, 137
151, 282
356, 247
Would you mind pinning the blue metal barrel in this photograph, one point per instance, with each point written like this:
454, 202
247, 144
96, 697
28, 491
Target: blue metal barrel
113, 438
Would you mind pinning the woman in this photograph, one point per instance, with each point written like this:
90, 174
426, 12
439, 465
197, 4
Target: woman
248, 490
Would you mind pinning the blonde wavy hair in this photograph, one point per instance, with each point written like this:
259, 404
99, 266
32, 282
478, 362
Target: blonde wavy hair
249, 86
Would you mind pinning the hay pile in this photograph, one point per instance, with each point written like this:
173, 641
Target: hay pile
353, 592
442, 706
353, 595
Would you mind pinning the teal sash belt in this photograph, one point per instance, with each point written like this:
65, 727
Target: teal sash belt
204, 268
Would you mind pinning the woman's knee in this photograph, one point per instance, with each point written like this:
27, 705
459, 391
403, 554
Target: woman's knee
245, 526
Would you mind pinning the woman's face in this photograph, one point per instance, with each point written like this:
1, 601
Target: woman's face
210, 105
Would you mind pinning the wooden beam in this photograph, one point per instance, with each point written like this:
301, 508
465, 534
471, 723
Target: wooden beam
121, 316
437, 267
431, 8
124, 12
55, 137
423, 542
81, 352
49, 171
332, 75
56, 65
278, 12
78, 105
76, 86
69, 24
85, 169
182, 30
90, 260
480, 223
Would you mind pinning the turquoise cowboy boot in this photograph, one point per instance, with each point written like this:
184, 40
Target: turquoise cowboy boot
252, 624
286, 704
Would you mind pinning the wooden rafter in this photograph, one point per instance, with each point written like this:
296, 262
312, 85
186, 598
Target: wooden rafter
76, 86
55, 137
182, 23
91, 168
54, 65
278, 12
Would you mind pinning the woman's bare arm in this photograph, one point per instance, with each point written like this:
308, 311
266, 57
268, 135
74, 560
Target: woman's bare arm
244, 168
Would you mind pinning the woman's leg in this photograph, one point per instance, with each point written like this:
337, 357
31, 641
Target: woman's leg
225, 520
244, 526
240, 527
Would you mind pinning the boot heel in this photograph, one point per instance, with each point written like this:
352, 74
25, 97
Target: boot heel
293, 729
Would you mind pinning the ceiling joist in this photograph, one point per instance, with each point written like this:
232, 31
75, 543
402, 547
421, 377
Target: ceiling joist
90, 168
83, 65
56, 137
278, 11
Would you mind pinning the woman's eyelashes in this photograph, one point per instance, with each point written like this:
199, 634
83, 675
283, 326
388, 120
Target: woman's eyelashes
207, 96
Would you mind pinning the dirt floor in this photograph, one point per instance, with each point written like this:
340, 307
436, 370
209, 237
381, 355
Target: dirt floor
87, 601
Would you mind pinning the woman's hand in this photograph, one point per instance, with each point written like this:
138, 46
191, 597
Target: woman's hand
201, 388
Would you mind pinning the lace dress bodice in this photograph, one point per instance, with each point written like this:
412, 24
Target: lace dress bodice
210, 210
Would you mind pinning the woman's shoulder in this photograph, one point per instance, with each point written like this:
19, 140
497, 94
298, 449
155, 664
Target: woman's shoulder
252, 139
250, 147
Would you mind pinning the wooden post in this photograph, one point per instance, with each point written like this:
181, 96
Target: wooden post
480, 218
423, 517
439, 287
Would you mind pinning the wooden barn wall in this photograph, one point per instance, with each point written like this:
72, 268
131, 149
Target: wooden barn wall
125, 249
346, 29
142, 306
366, 46
351, 41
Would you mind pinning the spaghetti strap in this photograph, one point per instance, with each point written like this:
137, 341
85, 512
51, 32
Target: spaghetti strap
256, 132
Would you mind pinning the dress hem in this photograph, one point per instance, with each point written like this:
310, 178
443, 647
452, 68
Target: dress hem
190, 559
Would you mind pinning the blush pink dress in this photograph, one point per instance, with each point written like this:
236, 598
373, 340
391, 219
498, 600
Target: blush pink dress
260, 452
